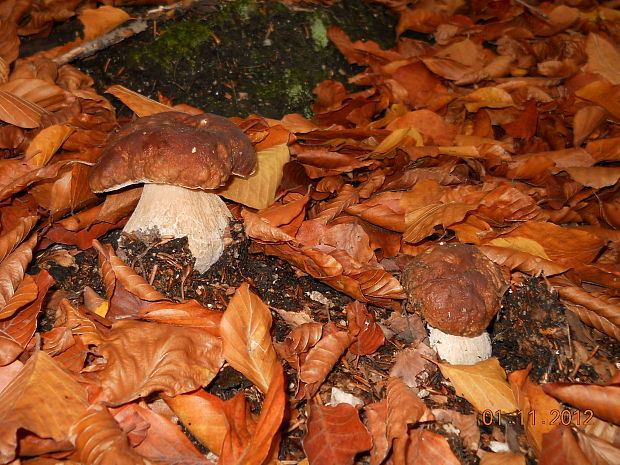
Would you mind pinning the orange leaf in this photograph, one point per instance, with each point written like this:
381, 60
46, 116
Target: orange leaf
603, 400
335, 435
247, 342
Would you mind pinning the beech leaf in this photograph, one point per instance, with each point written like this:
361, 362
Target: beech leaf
335, 435
246, 339
139, 104
259, 189
483, 385
604, 401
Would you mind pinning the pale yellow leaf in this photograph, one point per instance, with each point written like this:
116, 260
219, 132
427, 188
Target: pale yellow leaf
483, 385
399, 138
259, 189
246, 339
521, 244
46, 143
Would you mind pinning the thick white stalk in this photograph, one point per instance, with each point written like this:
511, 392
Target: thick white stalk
459, 350
175, 211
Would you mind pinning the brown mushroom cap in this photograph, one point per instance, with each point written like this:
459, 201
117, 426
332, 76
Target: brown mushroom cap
191, 151
456, 288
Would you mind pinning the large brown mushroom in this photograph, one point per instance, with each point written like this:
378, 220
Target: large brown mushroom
178, 157
458, 291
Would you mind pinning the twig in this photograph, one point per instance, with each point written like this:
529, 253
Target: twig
533, 8
93, 46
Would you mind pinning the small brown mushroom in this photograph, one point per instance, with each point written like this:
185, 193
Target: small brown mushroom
178, 157
458, 291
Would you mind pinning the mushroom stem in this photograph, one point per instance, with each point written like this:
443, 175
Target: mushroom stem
175, 211
460, 350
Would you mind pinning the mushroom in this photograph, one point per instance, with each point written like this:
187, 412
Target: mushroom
178, 157
458, 291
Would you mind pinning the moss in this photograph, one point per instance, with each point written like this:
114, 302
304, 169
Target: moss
318, 28
181, 41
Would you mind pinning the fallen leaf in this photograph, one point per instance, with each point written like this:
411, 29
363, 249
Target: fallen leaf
428, 448
142, 358
46, 143
603, 400
560, 447
246, 339
483, 385
335, 435
42, 399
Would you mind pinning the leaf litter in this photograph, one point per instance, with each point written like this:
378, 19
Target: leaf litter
492, 124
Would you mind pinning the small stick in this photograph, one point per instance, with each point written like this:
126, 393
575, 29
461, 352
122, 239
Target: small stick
93, 46
533, 8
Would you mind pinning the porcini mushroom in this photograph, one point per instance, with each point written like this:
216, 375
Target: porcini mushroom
178, 157
458, 291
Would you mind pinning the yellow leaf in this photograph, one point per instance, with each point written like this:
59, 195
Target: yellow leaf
483, 385
492, 97
46, 143
246, 338
522, 244
399, 138
102, 308
259, 189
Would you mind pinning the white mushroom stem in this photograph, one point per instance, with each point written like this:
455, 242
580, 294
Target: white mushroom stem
459, 350
175, 211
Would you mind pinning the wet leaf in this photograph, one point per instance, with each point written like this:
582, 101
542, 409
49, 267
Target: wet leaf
142, 358
483, 385
246, 339
335, 435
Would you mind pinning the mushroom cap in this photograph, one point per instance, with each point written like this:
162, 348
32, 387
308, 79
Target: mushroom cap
191, 151
456, 288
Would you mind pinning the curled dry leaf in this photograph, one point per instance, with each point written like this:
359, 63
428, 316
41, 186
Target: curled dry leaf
303, 338
259, 228
190, 313
99, 440
597, 449
132, 281
335, 435
46, 143
20, 112
362, 325
469, 431
143, 357
25, 293
376, 421
483, 385
324, 356
603, 400
246, 338
12, 238
80, 325
42, 399
13, 268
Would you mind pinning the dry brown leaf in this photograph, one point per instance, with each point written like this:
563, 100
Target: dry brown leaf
560, 447
603, 58
132, 281
362, 325
142, 358
531, 399
20, 112
324, 356
98, 21
46, 143
12, 238
99, 440
603, 400
25, 293
204, 416
595, 320
421, 222
260, 229
586, 120
42, 399
502, 458
484, 385
259, 189
191, 313
596, 176
428, 448
506, 254
598, 450
139, 104
303, 338
13, 268
603, 305
246, 339
376, 419
335, 435
469, 431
